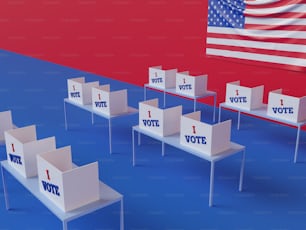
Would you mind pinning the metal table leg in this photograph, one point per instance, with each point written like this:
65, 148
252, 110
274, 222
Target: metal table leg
211, 186
297, 143
242, 171
7, 205
65, 116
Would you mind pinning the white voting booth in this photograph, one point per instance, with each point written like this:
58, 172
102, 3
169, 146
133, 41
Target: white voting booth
191, 85
162, 122
107, 102
6, 123
244, 97
67, 186
79, 91
22, 147
286, 107
160, 78
210, 139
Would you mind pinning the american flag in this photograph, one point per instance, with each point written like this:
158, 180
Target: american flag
270, 32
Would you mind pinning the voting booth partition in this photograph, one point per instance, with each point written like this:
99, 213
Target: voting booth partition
286, 107
107, 102
162, 122
79, 91
209, 139
244, 97
191, 85
67, 186
6, 123
22, 147
162, 79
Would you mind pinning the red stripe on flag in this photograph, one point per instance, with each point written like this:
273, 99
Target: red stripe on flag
275, 4
279, 15
275, 27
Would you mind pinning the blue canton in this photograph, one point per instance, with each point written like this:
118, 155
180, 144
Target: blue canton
226, 13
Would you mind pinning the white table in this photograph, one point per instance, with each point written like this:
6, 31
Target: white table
262, 113
174, 140
108, 196
194, 98
89, 108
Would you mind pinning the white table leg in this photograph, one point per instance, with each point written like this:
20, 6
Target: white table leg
219, 118
7, 205
164, 98
215, 104
92, 118
238, 122
65, 116
65, 225
163, 148
133, 145
297, 143
211, 186
121, 215
110, 135
242, 171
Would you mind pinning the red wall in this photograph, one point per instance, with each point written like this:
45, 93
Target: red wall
122, 38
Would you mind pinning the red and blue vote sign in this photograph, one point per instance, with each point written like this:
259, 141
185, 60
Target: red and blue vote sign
50, 187
13, 157
194, 138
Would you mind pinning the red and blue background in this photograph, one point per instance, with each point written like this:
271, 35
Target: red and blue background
45, 42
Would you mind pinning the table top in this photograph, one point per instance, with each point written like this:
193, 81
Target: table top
131, 110
173, 91
262, 112
174, 140
108, 196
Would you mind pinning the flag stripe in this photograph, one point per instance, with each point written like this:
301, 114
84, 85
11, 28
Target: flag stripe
275, 27
287, 48
258, 57
258, 50
275, 21
286, 8
256, 38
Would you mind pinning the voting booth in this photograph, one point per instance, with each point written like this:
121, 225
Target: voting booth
64, 184
244, 97
107, 102
6, 123
79, 91
162, 79
286, 107
191, 85
162, 122
22, 147
209, 139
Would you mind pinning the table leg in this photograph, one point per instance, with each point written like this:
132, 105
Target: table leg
194, 104
64, 225
238, 122
133, 145
297, 143
145, 93
164, 98
7, 205
65, 116
163, 148
139, 138
220, 108
211, 186
110, 135
242, 171
121, 215
92, 118
215, 104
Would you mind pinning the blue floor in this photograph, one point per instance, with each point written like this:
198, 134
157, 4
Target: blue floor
162, 193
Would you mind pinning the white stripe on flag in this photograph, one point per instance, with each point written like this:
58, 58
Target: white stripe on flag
258, 57
287, 8
257, 45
